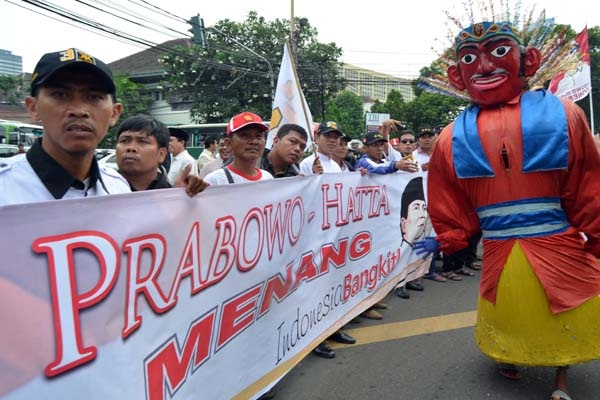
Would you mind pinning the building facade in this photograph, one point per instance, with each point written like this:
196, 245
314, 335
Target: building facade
10, 64
372, 85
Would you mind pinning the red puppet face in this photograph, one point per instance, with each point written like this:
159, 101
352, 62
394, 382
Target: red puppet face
491, 70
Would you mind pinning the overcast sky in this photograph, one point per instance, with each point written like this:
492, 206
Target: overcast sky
389, 36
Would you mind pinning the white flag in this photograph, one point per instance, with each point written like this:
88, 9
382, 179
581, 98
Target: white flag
575, 84
289, 106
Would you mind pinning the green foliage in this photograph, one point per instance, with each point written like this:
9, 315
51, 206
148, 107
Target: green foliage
11, 87
225, 78
135, 100
430, 109
394, 104
346, 109
378, 107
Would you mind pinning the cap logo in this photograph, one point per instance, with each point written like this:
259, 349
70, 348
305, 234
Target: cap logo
74, 54
248, 118
332, 125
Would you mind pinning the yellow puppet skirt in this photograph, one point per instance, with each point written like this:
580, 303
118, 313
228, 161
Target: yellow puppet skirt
520, 329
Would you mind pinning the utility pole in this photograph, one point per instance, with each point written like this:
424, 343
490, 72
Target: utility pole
197, 30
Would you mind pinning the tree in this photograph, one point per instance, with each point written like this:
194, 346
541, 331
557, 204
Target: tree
394, 104
11, 87
224, 77
379, 108
135, 101
431, 109
346, 109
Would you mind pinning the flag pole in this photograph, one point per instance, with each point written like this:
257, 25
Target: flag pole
292, 19
592, 111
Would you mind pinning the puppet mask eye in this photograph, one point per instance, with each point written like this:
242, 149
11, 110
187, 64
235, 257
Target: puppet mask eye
468, 59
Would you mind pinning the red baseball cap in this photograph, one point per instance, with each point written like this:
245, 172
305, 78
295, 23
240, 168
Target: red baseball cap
245, 119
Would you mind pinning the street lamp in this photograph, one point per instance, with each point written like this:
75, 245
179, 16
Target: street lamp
271, 74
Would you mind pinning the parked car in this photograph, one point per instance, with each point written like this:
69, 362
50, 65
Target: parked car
109, 160
101, 153
8, 150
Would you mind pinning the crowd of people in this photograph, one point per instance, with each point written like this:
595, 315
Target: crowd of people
74, 96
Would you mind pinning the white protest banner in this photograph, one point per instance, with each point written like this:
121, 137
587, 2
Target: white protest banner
289, 105
155, 295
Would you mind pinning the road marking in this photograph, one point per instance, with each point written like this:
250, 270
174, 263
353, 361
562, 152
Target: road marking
415, 327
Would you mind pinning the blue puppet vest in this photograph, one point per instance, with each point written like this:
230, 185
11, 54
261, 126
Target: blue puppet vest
544, 132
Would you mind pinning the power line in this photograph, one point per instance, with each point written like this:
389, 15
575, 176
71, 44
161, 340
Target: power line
122, 8
151, 46
163, 12
78, 27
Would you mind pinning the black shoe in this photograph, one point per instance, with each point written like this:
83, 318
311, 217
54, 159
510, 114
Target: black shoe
324, 351
267, 396
414, 286
342, 337
402, 292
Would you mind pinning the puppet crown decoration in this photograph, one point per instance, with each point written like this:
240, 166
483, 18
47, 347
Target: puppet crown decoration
484, 19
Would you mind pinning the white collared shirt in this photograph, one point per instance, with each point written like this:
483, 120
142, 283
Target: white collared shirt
328, 164
179, 162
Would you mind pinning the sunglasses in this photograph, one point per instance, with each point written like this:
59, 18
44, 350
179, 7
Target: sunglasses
407, 141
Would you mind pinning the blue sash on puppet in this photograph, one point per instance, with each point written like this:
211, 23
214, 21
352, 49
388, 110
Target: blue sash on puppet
544, 133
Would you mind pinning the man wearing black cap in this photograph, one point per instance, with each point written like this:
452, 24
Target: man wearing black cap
73, 94
327, 138
374, 158
181, 157
426, 140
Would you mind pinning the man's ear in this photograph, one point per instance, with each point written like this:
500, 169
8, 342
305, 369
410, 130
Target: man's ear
455, 78
533, 58
162, 154
116, 113
31, 106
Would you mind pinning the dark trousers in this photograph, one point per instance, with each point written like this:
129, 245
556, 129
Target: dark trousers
458, 260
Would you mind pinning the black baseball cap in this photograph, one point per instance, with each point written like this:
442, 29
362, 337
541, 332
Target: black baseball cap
426, 131
373, 137
50, 63
329, 126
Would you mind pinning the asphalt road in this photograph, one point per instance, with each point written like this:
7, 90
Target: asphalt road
424, 349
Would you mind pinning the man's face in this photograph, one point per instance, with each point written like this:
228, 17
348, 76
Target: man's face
224, 149
490, 70
138, 153
413, 226
407, 144
341, 150
426, 141
327, 142
248, 143
75, 112
176, 145
375, 151
290, 147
